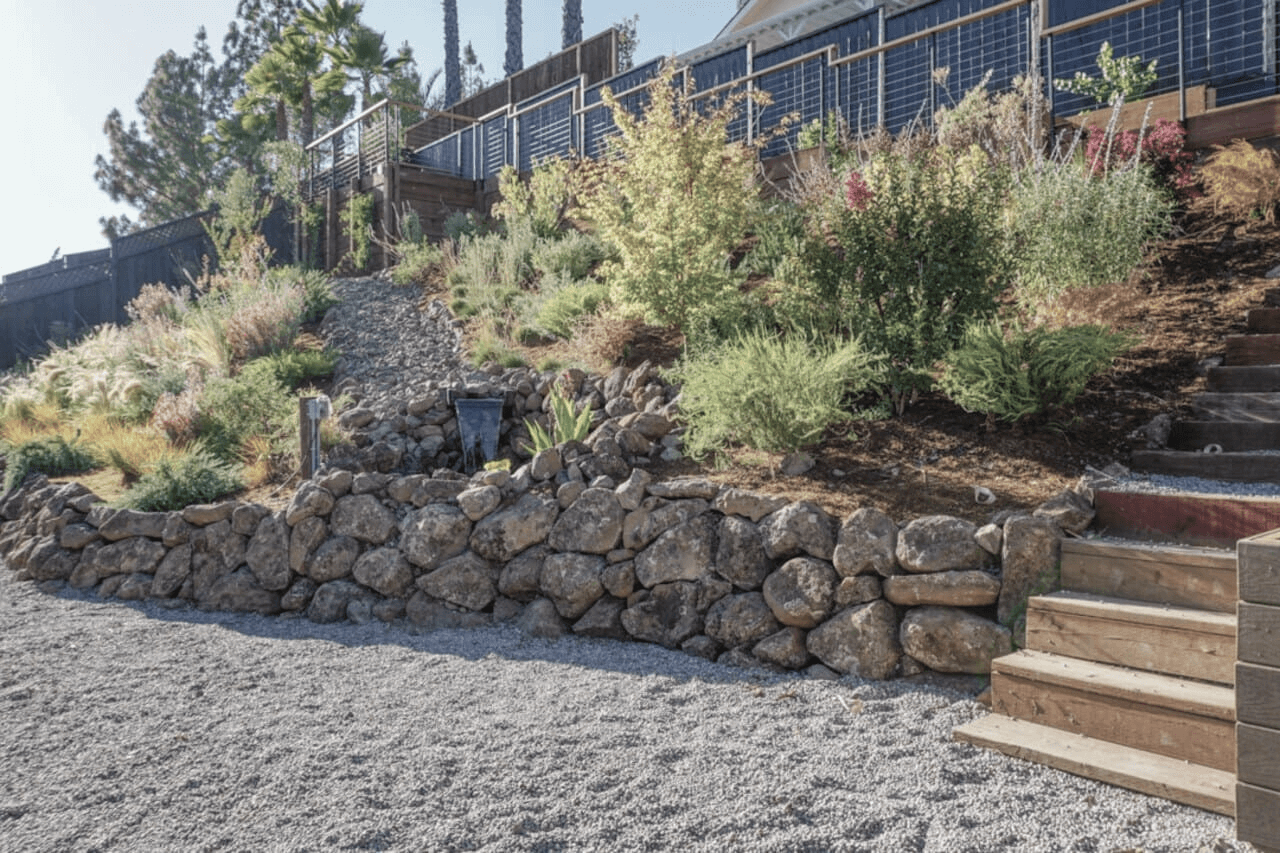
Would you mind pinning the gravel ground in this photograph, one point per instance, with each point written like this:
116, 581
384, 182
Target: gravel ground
135, 727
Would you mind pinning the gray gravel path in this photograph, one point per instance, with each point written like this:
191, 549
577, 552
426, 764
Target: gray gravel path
132, 727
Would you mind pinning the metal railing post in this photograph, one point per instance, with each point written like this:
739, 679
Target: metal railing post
880, 97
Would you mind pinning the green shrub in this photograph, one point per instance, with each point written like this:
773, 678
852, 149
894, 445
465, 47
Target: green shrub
290, 368
52, 456
317, 289
572, 254
779, 230
540, 203
674, 199
416, 262
1018, 373
459, 225
565, 305
196, 477
493, 268
769, 393
251, 404
1066, 228
917, 257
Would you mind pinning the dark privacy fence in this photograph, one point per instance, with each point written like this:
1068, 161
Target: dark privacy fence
878, 69
60, 299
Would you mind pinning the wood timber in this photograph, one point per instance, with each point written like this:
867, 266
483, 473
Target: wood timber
1174, 717
1155, 638
1250, 120
1253, 350
1241, 467
1183, 577
1259, 750
1243, 379
1263, 320
1258, 695
1156, 775
1167, 106
1258, 817
1230, 437
1257, 406
1259, 634
1185, 518
1259, 559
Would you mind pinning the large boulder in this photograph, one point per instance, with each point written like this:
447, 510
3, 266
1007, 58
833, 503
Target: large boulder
429, 614
241, 592
479, 501
311, 500
955, 589
125, 523
740, 556
799, 528
49, 561
654, 517
329, 604
540, 619
666, 614
305, 537
866, 544
333, 559
737, 620
521, 577
268, 553
572, 582
173, 570
384, 570
433, 534
603, 619
749, 505
507, 532
785, 648
591, 525
1028, 562
467, 580
362, 517
1069, 510
948, 639
683, 553
861, 640
801, 592
939, 543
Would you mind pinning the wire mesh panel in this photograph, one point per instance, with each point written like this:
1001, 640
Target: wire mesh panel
794, 90
908, 85
467, 153
598, 123
998, 44
717, 70
1238, 59
494, 147
441, 155
546, 131
854, 93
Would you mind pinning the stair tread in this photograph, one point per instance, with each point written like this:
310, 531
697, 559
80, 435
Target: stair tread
1173, 554
1240, 466
1243, 378
1114, 764
1149, 613
1149, 688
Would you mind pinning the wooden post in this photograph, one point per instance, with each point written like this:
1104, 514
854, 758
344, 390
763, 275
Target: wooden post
1258, 692
331, 229
305, 436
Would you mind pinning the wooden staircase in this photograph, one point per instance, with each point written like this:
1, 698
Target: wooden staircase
1238, 416
1127, 676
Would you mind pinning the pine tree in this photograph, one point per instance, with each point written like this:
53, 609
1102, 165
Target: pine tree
452, 65
571, 29
515, 39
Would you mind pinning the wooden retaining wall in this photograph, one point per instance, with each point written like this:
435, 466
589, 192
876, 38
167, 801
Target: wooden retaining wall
1258, 692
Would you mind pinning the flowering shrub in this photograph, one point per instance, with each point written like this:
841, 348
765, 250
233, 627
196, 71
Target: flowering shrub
856, 192
176, 414
1243, 181
1162, 150
1126, 77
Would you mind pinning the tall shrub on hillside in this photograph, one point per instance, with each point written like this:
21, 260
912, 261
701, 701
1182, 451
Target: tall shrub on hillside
911, 257
674, 197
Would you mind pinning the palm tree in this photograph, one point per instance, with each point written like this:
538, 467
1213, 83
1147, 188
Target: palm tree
515, 39
363, 53
452, 65
571, 29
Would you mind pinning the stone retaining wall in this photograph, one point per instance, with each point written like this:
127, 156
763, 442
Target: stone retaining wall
573, 540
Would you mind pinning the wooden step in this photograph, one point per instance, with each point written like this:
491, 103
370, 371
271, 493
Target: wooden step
1237, 406
1154, 638
1189, 720
1238, 467
1243, 379
1187, 518
1246, 350
1199, 578
1231, 437
1147, 773
1262, 320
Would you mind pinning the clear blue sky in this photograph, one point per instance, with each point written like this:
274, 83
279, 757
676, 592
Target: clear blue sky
66, 63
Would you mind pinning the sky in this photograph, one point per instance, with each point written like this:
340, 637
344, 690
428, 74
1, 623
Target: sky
66, 63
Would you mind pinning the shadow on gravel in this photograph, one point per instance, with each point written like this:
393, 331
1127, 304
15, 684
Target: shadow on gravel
506, 641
